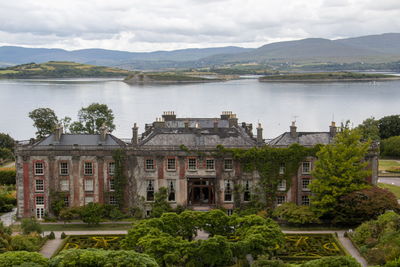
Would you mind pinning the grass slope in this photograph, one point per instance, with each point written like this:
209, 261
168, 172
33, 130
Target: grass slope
60, 69
392, 188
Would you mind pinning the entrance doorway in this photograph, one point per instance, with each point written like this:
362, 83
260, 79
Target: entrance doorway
201, 191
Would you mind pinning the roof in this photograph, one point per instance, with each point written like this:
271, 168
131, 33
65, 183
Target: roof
81, 140
198, 132
302, 138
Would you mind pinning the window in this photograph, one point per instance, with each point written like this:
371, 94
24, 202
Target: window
280, 200
282, 185
282, 168
88, 168
112, 200
39, 170
39, 185
88, 184
149, 164
304, 184
305, 200
228, 190
111, 168
210, 164
229, 212
246, 192
66, 201
171, 164
39, 200
192, 164
148, 213
39, 213
171, 189
150, 190
228, 164
89, 199
64, 185
112, 184
306, 167
64, 168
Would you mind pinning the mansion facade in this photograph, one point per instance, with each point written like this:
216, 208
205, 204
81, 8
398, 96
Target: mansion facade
81, 166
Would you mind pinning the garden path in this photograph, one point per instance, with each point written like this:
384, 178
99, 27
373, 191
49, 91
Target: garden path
389, 180
346, 243
9, 217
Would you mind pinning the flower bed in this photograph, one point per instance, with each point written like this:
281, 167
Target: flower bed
304, 247
298, 247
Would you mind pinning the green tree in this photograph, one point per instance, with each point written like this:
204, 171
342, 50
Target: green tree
45, 121
23, 258
214, 251
294, 214
6, 141
339, 170
160, 204
389, 126
216, 222
5, 153
337, 261
92, 213
390, 147
369, 129
92, 118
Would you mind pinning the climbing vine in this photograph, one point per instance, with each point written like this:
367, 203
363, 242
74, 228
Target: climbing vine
267, 162
119, 176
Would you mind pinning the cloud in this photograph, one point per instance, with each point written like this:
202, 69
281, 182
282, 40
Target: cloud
170, 24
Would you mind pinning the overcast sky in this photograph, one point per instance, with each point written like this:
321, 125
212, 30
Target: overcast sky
137, 25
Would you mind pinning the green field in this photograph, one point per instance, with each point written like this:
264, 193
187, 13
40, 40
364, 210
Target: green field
392, 188
385, 164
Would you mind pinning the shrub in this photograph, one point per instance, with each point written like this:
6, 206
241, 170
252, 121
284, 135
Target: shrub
7, 176
393, 263
391, 147
92, 213
337, 261
26, 242
63, 235
364, 205
160, 204
295, 214
99, 257
52, 235
30, 226
24, 258
265, 261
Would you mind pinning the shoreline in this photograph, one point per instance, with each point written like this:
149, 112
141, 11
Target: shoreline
330, 80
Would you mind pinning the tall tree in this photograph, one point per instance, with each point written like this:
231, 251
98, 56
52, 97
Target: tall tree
389, 126
6, 141
92, 117
369, 129
45, 121
339, 170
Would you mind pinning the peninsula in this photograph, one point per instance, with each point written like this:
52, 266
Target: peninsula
327, 77
60, 69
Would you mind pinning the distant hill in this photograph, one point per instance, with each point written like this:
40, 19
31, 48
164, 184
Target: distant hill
60, 69
306, 53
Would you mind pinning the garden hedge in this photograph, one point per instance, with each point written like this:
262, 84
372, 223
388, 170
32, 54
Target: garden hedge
7, 176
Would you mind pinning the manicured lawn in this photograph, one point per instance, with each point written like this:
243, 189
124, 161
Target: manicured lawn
385, 164
392, 188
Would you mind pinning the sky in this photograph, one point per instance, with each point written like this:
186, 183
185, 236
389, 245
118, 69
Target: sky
137, 25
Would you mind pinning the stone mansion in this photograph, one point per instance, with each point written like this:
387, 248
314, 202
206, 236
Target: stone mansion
82, 167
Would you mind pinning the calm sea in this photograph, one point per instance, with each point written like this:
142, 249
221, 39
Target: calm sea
275, 105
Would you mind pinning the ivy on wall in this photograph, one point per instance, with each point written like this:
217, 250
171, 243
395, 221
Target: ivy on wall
120, 181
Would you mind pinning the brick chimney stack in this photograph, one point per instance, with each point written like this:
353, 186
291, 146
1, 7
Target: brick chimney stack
58, 133
169, 116
135, 136
103, 133
293, 130
332, 129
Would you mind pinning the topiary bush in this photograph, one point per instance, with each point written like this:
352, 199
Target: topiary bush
52, 236
338, 261
63, 235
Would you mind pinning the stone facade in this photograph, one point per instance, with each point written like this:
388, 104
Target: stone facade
176, 153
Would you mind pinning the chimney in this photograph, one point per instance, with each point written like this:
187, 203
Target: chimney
293, 128
216, 125
226, 115
103, 133
134, 134
332, 129
260, 139
169, 116
233, 121
57, 133
159, 123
